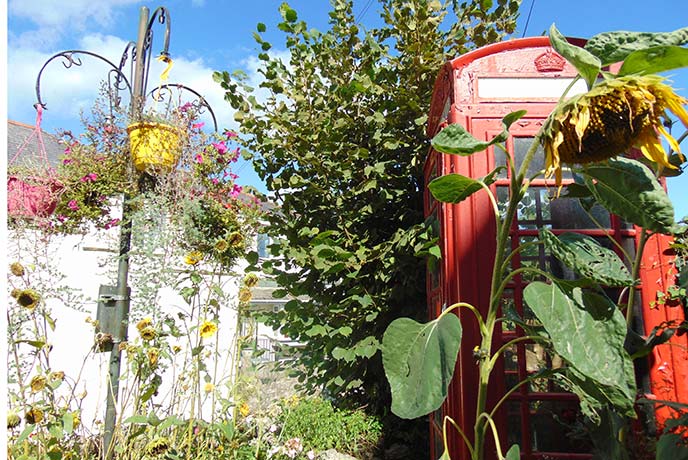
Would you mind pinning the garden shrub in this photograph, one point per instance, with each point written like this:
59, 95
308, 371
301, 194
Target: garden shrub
320, 426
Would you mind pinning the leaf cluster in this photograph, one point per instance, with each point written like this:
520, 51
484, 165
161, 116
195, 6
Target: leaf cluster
339, 140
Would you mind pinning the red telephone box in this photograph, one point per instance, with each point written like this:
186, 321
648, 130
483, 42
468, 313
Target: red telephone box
477, 90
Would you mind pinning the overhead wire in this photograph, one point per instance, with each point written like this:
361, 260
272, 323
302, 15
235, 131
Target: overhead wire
530, 12
364, 11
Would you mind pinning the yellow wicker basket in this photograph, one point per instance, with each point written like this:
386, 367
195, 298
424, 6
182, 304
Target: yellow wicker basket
154, 146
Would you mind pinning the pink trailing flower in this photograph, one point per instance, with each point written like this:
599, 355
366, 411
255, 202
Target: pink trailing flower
185, 107
221, 147
90, 177
113, 223
66, 161
229, 134
236, 191
73, 205
198, 125
61, 217
235, 154
214, 180
198, 158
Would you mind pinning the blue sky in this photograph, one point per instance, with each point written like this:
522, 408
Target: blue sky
212, 35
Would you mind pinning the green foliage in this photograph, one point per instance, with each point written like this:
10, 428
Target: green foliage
588, 331
587, 64
340, 141
457, 140
320, 426
588, 258
630, 190
611, 47
411, 352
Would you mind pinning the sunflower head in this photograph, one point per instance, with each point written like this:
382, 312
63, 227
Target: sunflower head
153, 355
13, 420
17, 269
38, 383
208, 329
148, 333
610, 119
144, 323
157, 446
28, 298
34, 415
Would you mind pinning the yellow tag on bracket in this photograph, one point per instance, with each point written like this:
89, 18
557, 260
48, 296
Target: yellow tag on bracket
168, 60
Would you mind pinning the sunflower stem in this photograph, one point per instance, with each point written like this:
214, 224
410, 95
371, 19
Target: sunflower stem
634, 276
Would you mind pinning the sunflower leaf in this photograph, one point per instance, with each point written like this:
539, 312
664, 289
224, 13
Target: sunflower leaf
587, 64
586, 257
654, 60
628, 189
455, 139
419, 361
454, 188
611, 47
588, 331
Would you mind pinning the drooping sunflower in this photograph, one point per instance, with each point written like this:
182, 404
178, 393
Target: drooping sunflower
144, 323
610, 119
38, 382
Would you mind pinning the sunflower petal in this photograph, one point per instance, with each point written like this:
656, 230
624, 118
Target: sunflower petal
670, 139
652, 148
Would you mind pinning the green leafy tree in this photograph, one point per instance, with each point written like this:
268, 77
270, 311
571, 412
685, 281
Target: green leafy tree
340, 141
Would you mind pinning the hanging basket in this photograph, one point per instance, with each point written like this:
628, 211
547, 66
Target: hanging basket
32, 196
155, 147
35, 192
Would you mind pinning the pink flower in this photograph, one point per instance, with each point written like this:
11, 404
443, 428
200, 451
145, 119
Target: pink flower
185, 107
214, 181
61, 217
90, 177
67, 149
199, 158
236, 190
221, 147
73, 205
197, 125
235, 152
66, 161
230, 134
114, 222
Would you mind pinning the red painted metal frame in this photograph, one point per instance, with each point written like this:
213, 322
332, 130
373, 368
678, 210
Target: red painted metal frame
467, 232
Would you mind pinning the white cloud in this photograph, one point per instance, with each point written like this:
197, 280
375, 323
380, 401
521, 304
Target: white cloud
54, 18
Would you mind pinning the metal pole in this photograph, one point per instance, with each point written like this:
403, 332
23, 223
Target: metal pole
122, 298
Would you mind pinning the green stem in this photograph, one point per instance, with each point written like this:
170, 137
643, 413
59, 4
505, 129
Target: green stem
470, 307
520, 248
495, 435
518, 188
634, 275
459, 430
513, 342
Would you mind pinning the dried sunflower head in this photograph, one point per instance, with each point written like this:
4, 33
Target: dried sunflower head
157, 446
17, 269
28, 298
610, 119
38, 382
